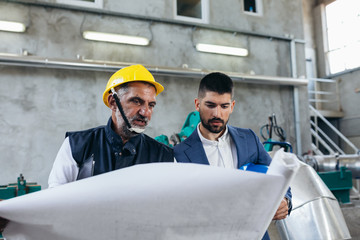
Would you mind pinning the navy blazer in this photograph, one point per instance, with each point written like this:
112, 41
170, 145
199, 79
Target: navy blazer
249, 150
248, 145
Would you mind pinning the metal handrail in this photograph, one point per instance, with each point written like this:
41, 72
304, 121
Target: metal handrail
322, 80
326, 137
319, 94
322, 141
345, 139
322, 100
316, 150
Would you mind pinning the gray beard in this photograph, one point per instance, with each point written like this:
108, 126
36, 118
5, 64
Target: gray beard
125, 132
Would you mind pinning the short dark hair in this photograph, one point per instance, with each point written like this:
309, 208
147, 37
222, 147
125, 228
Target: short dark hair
215, 82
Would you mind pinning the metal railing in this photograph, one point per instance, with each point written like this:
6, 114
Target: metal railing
318, 96
322, 138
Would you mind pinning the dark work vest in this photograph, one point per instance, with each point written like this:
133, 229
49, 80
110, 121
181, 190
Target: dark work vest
100, 150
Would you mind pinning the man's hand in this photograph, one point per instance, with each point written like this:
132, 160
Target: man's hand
282, 211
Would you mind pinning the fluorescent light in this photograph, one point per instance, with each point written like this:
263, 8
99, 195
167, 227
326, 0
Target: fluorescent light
210, 48
12, 26
115, 38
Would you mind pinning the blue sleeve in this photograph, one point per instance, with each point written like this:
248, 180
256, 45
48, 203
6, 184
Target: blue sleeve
263, 157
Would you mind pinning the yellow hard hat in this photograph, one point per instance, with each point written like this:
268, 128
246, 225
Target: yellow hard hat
134, 73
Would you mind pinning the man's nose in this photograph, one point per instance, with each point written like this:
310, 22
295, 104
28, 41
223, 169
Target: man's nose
145, 111
216, 111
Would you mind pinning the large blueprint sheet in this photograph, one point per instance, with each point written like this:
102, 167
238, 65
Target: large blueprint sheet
154, 201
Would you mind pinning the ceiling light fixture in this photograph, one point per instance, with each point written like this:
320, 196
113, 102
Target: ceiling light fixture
116, 38
12, 26
210, 48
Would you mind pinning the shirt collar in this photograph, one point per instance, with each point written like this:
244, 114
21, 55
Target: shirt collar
111, 135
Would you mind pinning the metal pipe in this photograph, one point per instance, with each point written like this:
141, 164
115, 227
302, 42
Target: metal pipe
296, 98
297, 120
92, 65
329, 163
322, 80
150, 19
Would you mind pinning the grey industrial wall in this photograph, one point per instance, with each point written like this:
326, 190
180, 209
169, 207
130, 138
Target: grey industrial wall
349, 87
38, 105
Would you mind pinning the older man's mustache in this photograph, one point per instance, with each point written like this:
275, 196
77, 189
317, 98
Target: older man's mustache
139, 117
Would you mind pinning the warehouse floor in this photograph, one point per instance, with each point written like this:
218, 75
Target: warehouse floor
351, 214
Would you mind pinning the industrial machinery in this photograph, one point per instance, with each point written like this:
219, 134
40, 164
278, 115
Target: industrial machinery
316, 194
337, 171
279, 131
316, 213
17, 189
189, 126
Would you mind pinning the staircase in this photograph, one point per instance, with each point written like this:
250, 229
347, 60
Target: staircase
322, 139
324, 102
328, 152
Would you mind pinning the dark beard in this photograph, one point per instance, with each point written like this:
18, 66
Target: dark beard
213, 129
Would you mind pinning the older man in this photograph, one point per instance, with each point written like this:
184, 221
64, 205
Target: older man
131, 95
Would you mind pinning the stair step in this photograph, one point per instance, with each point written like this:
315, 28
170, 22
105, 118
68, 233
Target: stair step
330, 113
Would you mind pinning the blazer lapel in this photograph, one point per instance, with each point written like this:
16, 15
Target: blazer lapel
196, 152
240, 143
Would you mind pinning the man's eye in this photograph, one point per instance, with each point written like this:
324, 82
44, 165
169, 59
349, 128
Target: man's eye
225, 106
151, 105
210, 106
136, 101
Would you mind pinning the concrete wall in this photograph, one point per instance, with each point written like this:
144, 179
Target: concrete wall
38, 105
349, 87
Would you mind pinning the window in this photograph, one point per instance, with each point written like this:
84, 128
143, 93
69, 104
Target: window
192, 10
83, 3
343, 35
253, 7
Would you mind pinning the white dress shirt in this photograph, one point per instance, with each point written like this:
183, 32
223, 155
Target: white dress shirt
220, 153
65, 168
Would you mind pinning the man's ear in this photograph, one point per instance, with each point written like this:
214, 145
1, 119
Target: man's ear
112, 103
232, 105
197, 104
